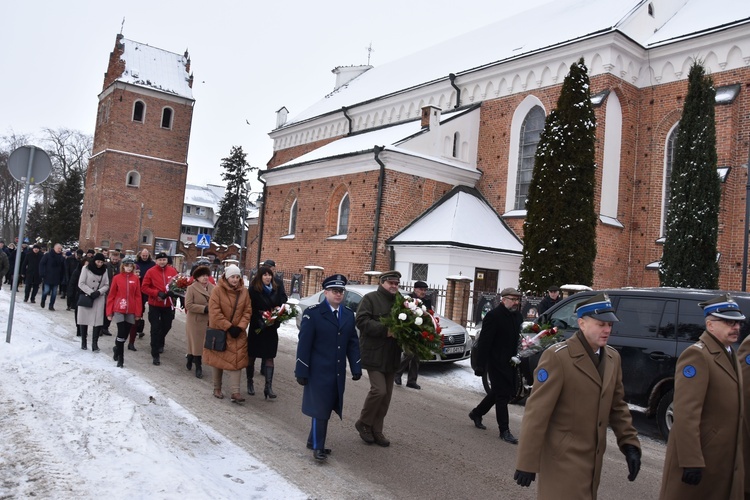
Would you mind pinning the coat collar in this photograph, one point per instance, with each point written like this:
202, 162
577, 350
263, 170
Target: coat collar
720, 354
583, 362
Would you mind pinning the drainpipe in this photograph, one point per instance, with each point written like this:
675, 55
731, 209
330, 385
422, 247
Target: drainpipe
452, 76
344, 110
381, 182
747, 228
262, 216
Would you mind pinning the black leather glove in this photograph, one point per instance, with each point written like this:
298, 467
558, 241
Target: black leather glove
234, 331
479, 373
95, 294
162, 295
357, 376
633, 458
524, 478
205, 310
692, 475
302, 380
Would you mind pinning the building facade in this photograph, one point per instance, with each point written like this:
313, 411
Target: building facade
478, 103
137, 173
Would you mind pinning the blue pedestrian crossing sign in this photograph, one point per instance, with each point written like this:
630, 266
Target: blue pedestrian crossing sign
204, 241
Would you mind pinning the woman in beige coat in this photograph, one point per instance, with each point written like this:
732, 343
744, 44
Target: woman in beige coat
196, 307
229, 310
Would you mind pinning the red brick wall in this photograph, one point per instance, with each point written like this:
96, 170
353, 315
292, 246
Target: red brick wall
404, 198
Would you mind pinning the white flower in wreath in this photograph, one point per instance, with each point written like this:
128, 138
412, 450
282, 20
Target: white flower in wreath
418, 312
418, 321
402, 316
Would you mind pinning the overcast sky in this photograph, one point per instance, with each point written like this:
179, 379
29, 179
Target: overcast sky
249, 58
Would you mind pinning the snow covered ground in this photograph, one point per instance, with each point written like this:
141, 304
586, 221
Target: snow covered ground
72, 425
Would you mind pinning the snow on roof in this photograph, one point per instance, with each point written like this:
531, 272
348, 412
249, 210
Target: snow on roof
542, 27
461, 218
202, 196
155, 68
192, 220
359, 143
700, 15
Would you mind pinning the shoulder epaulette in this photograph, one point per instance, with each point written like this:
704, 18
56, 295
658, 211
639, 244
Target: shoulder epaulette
561, 347
313, 306
611, 347
699, 344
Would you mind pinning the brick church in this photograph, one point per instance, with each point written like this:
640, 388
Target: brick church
135, 184
423, 163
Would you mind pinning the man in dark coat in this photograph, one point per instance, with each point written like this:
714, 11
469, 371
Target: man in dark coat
52, 272
30, 273
498, 342
327, 337
552, 298
381, 356
4, 267
409, 361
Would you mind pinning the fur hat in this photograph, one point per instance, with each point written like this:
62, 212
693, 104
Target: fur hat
201, 271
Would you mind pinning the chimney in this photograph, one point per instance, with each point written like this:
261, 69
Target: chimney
345, 74
281, 115
431, 117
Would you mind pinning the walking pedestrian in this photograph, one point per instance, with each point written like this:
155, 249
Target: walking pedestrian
124, 306
160, 304
93, 283
410, 361
197, 296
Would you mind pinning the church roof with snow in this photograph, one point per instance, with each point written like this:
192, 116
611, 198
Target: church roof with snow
461, 218
154, 68
559, 23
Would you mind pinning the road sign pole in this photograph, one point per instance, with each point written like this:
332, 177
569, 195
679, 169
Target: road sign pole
17, 265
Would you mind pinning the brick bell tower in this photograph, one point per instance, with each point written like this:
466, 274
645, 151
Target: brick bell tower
135, 184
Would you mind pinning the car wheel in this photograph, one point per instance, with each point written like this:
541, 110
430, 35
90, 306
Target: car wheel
665, 413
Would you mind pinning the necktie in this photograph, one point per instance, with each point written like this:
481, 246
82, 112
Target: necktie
336, 313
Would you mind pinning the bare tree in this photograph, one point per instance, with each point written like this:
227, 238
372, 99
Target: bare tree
11, 191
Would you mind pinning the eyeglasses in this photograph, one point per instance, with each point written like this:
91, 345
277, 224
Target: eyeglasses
729, 322
512, 299
392, 282
337, 291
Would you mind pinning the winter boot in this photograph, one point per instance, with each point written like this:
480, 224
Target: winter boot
268, 389
95, 340
120, 353
250, 370
189, 358
84, 332
198, 367
131, 346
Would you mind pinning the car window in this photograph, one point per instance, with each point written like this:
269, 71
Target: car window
321, 297
692, 321
352, 300
565, 317
642, 317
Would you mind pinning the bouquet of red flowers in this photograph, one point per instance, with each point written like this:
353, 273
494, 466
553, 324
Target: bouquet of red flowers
178, 284
278, 314
536, 338
415, 328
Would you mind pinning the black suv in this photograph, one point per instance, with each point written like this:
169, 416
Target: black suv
656, 325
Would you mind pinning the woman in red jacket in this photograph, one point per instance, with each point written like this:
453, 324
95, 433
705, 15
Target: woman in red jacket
124, 304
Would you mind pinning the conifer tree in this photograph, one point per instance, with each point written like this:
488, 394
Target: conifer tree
560, 226
233, 207
64, 216
692, 222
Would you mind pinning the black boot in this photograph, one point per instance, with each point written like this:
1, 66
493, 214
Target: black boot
189, 358
268, 389
198, 367
120, 353
250, 370
83, 331
95, 339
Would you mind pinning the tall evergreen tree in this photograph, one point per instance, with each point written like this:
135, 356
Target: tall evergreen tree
233, 207
64, 217
560, 226
692, 223
36, 222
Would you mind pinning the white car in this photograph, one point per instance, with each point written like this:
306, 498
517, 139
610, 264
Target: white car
456, 341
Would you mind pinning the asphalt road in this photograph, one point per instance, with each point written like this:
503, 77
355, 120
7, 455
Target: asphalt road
435, 452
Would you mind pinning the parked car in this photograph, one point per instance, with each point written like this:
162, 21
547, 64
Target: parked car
456, 340
656, 325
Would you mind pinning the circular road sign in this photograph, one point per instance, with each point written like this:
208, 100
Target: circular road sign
18, 164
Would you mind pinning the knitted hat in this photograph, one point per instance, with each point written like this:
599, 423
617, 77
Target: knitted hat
232, 270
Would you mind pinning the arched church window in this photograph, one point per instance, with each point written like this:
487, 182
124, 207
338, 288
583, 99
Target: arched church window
343, 219
531, 130
166, 118
139, 111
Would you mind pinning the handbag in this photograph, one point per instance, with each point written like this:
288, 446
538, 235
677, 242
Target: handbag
85, 300
216, 339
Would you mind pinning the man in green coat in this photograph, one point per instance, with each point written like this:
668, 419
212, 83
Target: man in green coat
381, 357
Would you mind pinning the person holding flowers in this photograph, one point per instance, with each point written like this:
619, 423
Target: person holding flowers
263, 338
381, 357
327, 338
160, 303
410, 361
497, 344
196, 322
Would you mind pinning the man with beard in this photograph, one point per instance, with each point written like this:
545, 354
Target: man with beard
498, 342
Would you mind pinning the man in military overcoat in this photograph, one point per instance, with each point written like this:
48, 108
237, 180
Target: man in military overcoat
327, 338
577, 394
704, 451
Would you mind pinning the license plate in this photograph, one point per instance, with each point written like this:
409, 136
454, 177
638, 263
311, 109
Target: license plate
453, 350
